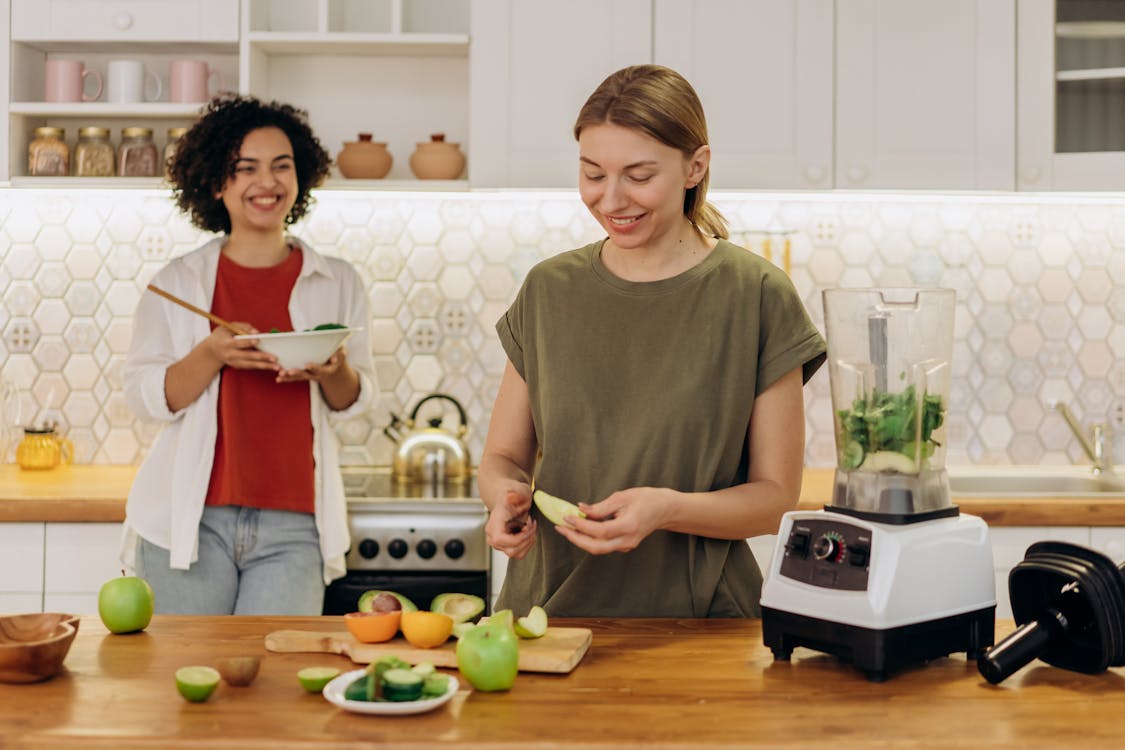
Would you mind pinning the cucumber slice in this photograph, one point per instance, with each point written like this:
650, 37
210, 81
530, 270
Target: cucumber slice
434, 685
402, 685
357, 690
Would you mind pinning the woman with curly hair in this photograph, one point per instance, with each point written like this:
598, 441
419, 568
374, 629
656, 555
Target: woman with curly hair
239, 506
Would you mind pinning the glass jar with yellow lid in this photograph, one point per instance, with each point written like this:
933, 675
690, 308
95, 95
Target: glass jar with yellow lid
174, 136
47, 154
93, 154
136, 156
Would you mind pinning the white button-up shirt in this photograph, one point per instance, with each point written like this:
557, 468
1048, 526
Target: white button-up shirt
166, 500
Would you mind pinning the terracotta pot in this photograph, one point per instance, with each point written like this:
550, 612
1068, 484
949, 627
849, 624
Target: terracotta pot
437, 159
364, 159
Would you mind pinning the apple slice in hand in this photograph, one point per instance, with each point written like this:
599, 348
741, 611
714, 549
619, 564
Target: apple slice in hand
555, 508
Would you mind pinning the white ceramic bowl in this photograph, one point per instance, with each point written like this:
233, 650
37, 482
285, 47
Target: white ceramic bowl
295, 349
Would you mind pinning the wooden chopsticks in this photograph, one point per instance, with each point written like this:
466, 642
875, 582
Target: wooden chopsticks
210, 316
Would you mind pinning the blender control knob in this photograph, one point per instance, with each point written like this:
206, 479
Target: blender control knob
826, 548
368, 548
454, 548
426, 549
397, 548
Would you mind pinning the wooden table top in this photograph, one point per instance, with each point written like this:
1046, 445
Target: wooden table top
98, 492
653, 683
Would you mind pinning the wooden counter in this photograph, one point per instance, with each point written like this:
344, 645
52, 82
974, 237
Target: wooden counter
652, 683
97, 493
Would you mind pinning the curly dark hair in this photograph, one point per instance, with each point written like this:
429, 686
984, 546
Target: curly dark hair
205, 156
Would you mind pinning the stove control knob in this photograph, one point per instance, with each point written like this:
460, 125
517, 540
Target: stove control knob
426, 549
454, 548
827, 547
397, 548
368, 548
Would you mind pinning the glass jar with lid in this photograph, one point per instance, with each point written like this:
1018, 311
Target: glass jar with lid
174, 136
93, 154
47, 154
136, 156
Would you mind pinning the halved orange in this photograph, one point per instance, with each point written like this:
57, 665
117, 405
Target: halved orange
426, 629
373, 627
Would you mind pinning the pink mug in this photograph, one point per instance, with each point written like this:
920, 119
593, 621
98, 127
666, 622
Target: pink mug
66, 81
189, 79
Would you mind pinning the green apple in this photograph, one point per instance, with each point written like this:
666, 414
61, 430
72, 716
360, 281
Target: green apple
555, 508
125, 604
488, 656
533, 625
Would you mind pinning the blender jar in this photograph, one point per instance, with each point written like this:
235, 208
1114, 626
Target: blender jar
889, 353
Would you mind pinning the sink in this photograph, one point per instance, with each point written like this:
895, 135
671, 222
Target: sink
1032, 481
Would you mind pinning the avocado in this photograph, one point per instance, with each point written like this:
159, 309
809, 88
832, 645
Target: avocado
367, 597
461, 607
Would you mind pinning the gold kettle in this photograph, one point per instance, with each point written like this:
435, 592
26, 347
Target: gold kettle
431, 455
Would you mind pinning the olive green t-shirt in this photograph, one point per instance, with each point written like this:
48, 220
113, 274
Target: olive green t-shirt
648, 384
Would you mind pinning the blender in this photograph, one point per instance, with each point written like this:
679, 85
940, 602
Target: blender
890, 573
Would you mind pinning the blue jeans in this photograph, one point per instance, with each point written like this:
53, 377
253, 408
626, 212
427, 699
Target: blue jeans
251, 562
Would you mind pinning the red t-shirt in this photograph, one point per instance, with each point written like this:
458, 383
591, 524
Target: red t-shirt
263, 453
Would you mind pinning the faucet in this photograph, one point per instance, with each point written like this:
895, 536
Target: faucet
1096, 446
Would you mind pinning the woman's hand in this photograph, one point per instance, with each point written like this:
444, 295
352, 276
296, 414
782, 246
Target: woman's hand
242, 354
510, 527
621, 521
319, 373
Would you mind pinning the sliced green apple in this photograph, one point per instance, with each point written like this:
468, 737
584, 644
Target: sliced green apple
555, 508
533, 625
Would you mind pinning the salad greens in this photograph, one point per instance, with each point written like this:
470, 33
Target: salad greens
888, 423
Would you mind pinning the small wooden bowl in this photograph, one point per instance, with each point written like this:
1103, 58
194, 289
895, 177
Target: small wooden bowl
33, 646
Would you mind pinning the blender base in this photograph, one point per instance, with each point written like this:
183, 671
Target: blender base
878, 653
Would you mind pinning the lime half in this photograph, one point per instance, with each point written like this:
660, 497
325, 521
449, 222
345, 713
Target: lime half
196, 683
314, 679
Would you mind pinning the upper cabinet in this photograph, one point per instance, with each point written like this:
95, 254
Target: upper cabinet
925, 94
867, 94
1071, 118
532, 64
763, 70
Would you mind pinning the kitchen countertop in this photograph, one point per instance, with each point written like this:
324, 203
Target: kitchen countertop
650, 683
97, 493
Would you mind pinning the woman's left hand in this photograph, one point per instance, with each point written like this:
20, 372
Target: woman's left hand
620, 522
318, 373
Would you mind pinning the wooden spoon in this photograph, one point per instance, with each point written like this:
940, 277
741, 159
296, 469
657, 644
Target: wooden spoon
238, 331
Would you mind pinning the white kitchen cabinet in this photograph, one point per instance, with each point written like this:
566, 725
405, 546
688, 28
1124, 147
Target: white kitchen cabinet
155, 32
397, 69
1071, 115
21, 567
925, 94
79, 558
763, 70
532, 64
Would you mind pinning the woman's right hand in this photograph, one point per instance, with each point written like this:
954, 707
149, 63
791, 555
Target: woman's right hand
242, 354
510, 527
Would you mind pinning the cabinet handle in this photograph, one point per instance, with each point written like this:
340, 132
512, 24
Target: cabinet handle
123, 21
1031, 174
814, 174
857, 174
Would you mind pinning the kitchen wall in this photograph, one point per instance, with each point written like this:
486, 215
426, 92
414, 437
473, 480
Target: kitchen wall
1039, 280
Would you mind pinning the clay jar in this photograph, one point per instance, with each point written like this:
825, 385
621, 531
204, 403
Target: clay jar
364, 159
437, 160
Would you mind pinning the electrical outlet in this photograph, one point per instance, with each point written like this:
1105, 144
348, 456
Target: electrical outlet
1117, 415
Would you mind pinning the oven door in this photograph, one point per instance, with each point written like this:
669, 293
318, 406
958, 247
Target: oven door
342, 595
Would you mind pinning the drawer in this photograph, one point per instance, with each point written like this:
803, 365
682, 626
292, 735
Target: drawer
125, 20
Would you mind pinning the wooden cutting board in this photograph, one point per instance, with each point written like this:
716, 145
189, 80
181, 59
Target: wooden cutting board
559, 650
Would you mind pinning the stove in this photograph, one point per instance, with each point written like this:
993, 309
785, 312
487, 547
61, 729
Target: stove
419, 540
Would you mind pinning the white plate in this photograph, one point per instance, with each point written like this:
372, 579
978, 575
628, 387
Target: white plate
334, 693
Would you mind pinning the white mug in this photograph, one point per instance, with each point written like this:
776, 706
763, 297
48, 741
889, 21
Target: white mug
126, 79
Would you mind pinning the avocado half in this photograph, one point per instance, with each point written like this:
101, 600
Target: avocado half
367, 597
461, 607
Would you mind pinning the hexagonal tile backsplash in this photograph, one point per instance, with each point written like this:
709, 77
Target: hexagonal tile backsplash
1040, 284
